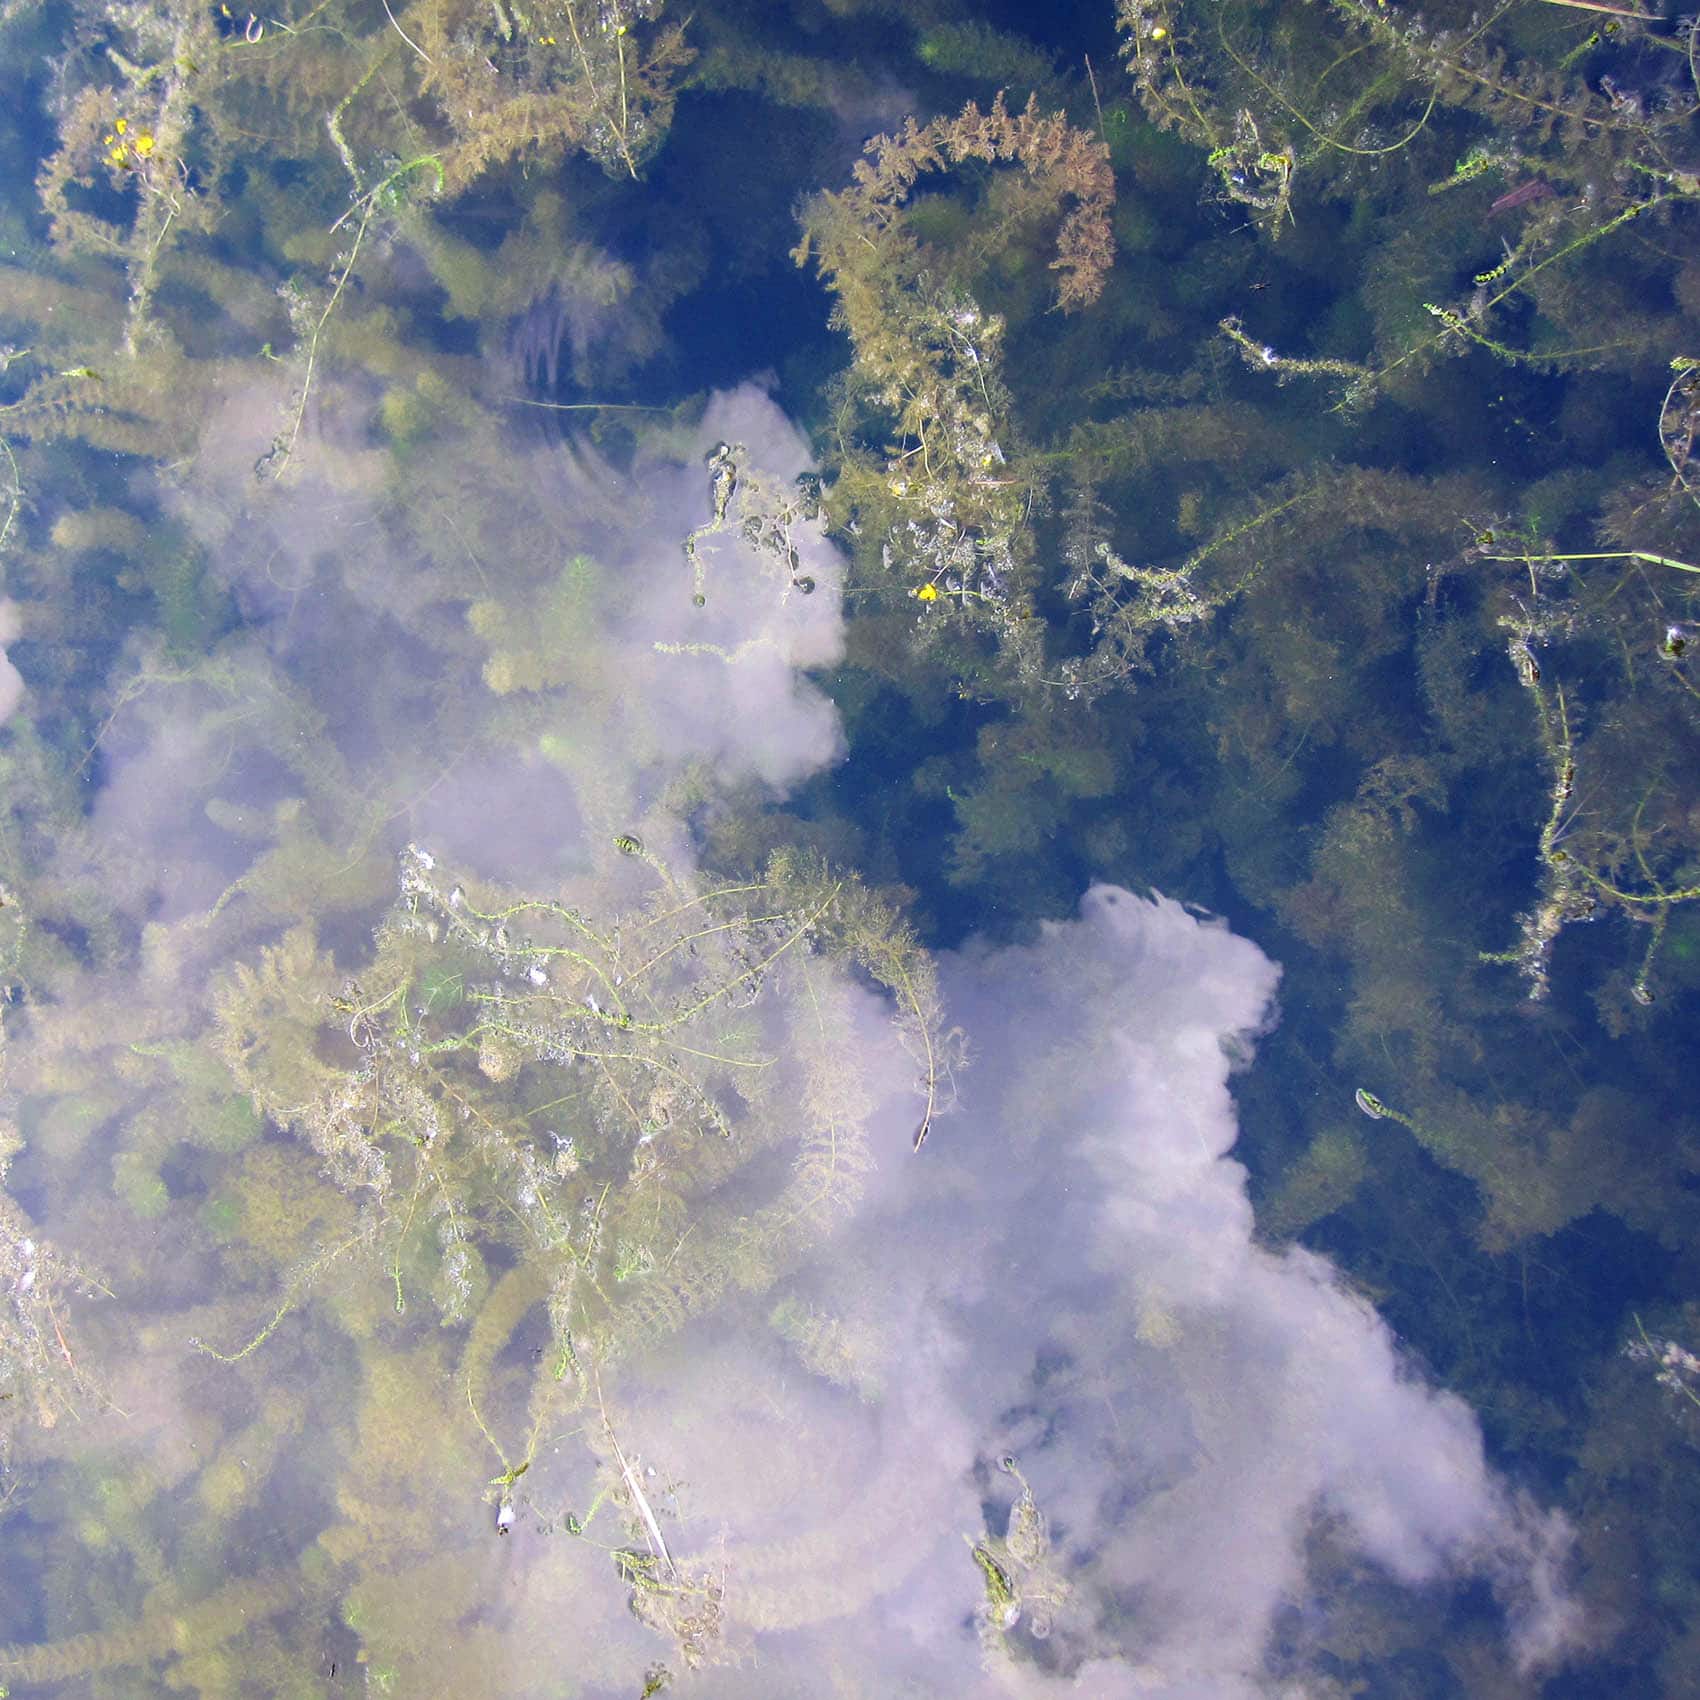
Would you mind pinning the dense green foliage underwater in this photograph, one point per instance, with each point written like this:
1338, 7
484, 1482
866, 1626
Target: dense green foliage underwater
607, 614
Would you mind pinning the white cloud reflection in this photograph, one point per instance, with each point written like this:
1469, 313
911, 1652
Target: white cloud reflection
1067, 1273
11, 682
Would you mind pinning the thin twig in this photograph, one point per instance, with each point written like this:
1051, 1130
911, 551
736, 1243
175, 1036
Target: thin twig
405, 36
652, 1529
1600, 6
1094, 82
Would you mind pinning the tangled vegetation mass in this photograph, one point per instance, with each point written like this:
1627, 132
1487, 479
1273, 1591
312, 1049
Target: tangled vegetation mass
1262, 466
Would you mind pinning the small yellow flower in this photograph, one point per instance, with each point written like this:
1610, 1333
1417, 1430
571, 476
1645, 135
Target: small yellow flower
144, 144
927, 593
122, 125
116, 155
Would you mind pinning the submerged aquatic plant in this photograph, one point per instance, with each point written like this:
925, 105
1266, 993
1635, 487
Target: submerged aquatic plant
744, 499
1357, 85
950, 498
1024, 1585
568, 1123
637, 1108
578, 1086
41, 1377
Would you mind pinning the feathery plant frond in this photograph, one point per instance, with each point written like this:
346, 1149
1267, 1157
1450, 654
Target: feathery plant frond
586, 1089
